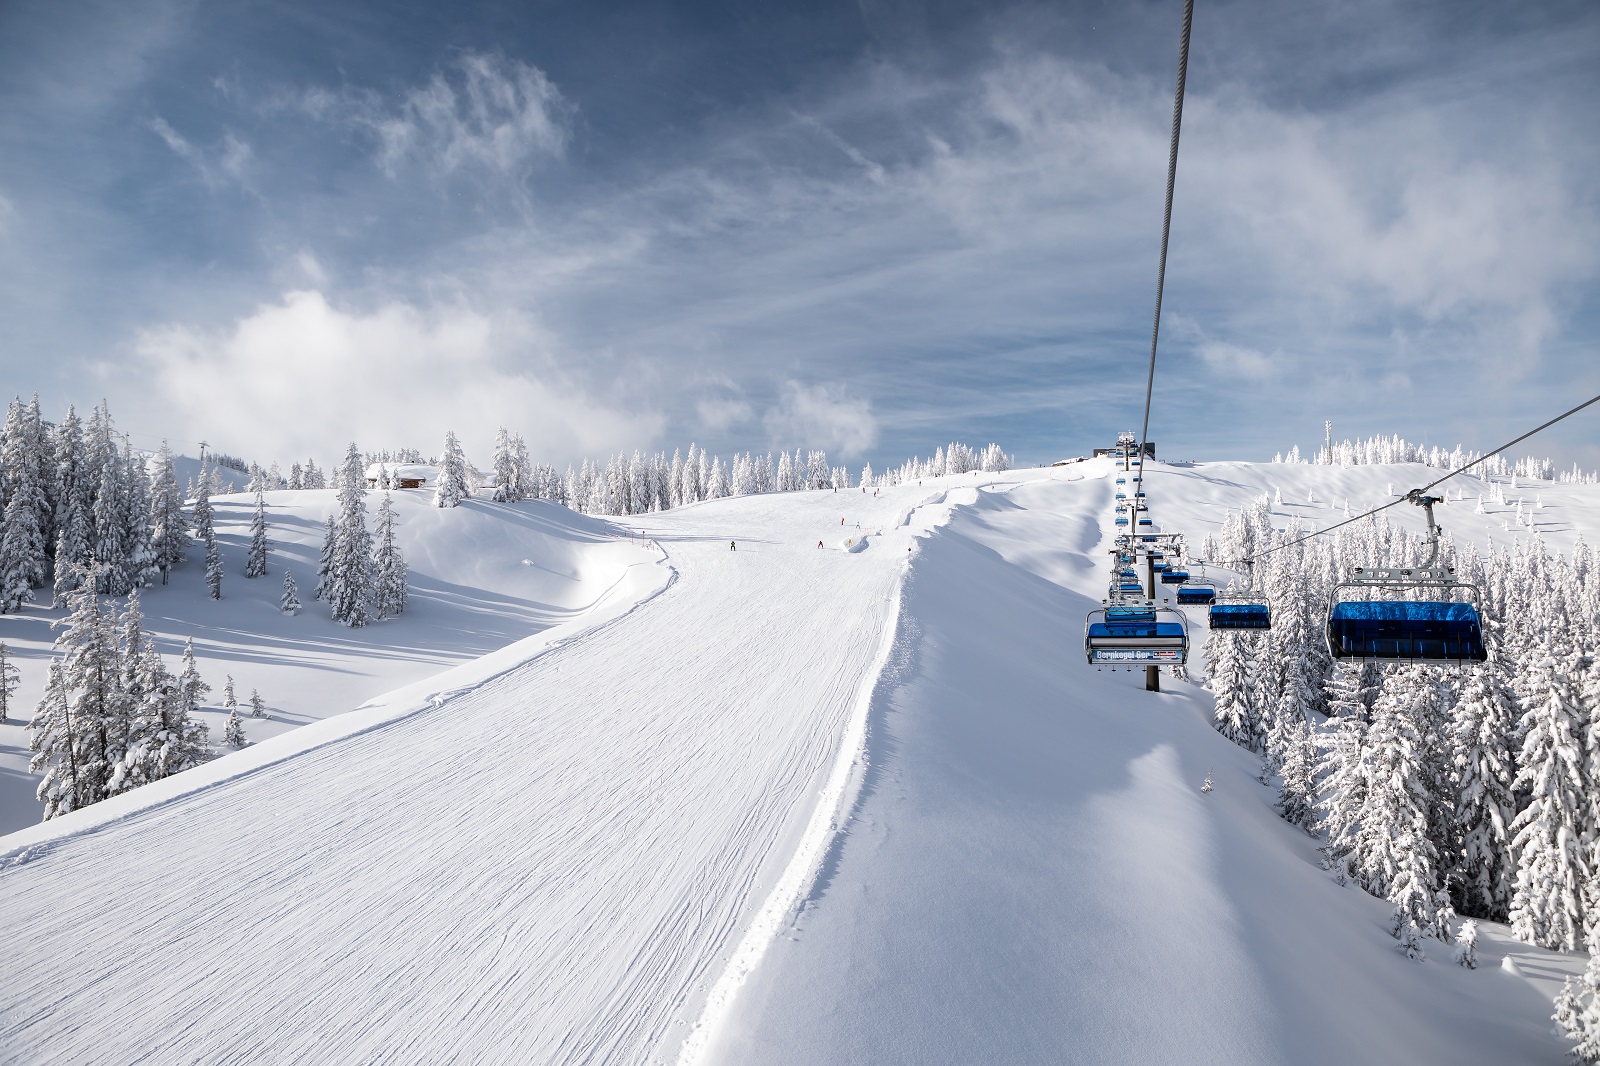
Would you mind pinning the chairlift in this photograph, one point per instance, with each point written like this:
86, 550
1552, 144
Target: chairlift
1122, 521
1171, 576
1238, 612
1128, 634
1196, 596
1435, 629
1146, 522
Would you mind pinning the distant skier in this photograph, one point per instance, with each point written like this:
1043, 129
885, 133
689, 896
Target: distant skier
733, 547
819, 543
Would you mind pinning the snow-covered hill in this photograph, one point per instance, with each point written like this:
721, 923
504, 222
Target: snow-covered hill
482, 576
781, 803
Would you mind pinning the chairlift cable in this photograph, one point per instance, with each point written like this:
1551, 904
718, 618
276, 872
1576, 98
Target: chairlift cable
1408, 497
1166, 219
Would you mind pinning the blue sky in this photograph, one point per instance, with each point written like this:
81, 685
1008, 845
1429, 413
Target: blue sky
870, 227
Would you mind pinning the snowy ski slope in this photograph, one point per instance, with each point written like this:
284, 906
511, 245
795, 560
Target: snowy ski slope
578, 849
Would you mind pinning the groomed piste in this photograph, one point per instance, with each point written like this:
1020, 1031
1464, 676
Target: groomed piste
778, 804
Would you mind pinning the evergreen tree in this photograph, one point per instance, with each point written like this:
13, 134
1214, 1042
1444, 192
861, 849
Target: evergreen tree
1297, 793
168, 535
452, 487
258, 706
1483, 731
1578, 1008
72, 516
213, 567
82, 720
507, 475
1343, 773
330, 542
1395, 855
1547, 900
389, 568
233, 733
350, 575
230, 702
24, 560
255, 564
1230, 682
290, 602
9, 679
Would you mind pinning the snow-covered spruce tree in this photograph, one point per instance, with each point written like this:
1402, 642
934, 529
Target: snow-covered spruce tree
81, 721
230, 700
168, 535
167, 736
452, 486
213, 567
255, 563
72, 515
1483, 732
506, 474
1297, 791
9, 678
24, 560
1547, 900
389, 567
330, 543
1343, 772
1395, 856
1230, 682
349, 591
1577, 1008
258, 706
289, 603
233, 732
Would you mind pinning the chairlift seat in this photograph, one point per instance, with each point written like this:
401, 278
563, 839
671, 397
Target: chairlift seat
1406, 630
1240, 616
1146, 522
1126, 635
1198, 595
1174, 577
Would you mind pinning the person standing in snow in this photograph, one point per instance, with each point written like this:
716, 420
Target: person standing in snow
732, 546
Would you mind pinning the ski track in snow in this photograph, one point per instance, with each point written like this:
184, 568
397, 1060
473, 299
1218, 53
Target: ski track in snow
549, 867
598, 852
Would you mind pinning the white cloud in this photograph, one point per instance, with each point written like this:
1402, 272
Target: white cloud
1234, 360
822, 416
482, 114
302, 377
721, 415
227, 161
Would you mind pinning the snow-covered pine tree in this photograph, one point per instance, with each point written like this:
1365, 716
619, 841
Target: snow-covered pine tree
1297, 792
168, 536
213, 565
389, 567
1229, 680
72, 515
330, 541
230, 701
1394, 855
505, 467
233, 732
83, 715
24, 560
255, 563
289, 602
9, 679
452, 485
1483, 733
1577, 1008
258, 706
349, 582
1547, 900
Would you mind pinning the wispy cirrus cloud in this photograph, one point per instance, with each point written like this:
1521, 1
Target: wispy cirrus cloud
226, 162
481, 112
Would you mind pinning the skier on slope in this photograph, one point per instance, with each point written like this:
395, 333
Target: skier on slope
732, 546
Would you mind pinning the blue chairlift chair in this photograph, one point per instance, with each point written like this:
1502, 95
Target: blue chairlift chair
1196, 596
1136, 634
1429, 626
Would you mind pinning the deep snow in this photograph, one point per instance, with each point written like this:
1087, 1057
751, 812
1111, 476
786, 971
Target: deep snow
613, 841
